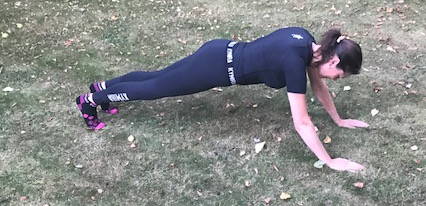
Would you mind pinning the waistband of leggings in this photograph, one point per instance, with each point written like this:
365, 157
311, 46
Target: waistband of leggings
230, 62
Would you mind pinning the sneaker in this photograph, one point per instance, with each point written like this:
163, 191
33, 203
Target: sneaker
89, 113
96, 87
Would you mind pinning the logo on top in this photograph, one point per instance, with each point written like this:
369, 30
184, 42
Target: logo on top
297, 36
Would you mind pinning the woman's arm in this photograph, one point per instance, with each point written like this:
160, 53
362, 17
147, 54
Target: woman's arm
305, 128
320, 89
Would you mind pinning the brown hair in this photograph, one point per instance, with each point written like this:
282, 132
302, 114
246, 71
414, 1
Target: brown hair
348, 51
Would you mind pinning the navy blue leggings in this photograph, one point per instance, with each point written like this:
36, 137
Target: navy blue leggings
203, 70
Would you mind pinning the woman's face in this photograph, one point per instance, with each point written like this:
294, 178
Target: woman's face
329, 69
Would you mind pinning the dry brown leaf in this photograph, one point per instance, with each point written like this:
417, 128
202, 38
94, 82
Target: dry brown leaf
256, 171
267, 200
131, 138
217, 89
275, 168
68, 42
247, 183
327, 140
285, 196
181, 41
391, 49
78, 166
347, 88
359, 185
259, 146
8, 89
377, 89
279, 139
374, 112
114, 18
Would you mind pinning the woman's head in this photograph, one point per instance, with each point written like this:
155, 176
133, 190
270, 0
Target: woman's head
342, 52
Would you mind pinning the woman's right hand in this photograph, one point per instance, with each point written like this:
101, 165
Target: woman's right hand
341, 164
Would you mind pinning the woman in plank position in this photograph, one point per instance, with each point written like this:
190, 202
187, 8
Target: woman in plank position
280, 59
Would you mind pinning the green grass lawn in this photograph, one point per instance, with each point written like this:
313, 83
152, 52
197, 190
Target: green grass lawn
189, 149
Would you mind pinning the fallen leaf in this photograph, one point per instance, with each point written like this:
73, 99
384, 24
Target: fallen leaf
68, 42
4, 35
319, 164
414, 147
279, 139
78, 166
217, 89
259, 146
229, 105
256, 171
247, 183
8, 89
347, 88
275, 168
285, 196
131, 138
391, 49
267, 200
359, 185
377, 89
374, 112
327, 140
114, 18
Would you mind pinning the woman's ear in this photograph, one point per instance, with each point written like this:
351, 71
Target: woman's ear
335, 60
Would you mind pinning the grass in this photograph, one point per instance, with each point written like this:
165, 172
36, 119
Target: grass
189, 153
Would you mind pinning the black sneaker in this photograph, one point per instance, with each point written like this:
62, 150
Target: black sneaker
89, 113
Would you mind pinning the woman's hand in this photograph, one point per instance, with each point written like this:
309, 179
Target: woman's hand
341, 164
351, 123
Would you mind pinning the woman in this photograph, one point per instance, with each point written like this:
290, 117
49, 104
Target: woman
280, 59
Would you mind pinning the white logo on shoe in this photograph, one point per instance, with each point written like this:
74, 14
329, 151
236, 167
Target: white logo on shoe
297, 36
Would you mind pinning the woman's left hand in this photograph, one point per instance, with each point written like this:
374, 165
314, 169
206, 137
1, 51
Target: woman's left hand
351, 123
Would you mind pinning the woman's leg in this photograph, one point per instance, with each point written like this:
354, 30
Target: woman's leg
131, 77
201, 71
